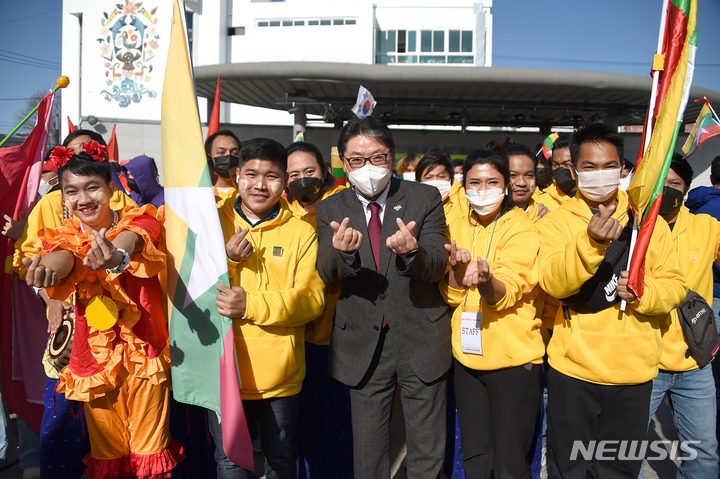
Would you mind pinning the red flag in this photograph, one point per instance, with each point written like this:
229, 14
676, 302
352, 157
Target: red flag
673, 80
71, 127
20, 171
112, 147
214, 124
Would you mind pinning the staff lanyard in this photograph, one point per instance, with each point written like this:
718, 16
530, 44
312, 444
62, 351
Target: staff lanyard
487, 255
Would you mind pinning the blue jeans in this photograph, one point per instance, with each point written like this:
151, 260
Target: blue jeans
277, 419
692, 399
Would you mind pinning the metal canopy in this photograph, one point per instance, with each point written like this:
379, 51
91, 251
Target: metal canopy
441, 95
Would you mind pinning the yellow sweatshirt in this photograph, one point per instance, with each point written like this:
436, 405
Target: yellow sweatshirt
608, 347
318, 331
455, 203
48, 213
552, 197
510, 330
284, 291
697, 241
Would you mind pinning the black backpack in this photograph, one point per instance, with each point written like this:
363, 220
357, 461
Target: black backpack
698, 324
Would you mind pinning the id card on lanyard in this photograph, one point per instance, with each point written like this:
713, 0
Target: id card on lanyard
471, 333
471, 322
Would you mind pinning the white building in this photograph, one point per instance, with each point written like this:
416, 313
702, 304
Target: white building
427, 62
115, 57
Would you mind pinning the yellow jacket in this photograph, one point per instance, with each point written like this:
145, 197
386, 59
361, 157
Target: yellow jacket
318, 331
455, 203
608, 347
48, 213
510, 330
697, 241
552, 197
284, 291
221, 196
533, 211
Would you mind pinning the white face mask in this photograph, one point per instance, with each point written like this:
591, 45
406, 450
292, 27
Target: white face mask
459, 177
370, 180
443, 186
409, 176
625, 182
485, 202
45, 186
599, 185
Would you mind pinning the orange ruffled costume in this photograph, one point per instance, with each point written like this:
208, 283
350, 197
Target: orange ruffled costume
122, 373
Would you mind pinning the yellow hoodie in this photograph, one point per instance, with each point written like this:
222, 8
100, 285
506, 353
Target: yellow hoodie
552, 197
284, 291
48, 213
697, 241
455, 203
608, 347
318, 331
510, 330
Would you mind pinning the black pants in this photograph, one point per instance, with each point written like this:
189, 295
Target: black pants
585, 412
497, 412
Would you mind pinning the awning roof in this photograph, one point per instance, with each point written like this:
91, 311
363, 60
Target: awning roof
434, 95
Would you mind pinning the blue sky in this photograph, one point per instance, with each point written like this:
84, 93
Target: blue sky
612, 35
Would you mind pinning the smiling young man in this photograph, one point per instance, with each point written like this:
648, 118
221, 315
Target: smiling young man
120, 361
602, 359
275, 290
383, 242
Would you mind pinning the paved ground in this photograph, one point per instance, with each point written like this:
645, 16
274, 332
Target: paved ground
661, 428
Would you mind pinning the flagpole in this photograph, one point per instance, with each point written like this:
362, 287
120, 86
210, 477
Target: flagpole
61, 82
712, 109
656, 77
648, 129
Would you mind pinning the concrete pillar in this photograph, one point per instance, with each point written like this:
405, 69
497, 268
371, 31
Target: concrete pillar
300, 119
612, 118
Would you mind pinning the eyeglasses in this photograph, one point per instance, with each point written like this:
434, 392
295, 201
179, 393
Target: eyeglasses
359, 161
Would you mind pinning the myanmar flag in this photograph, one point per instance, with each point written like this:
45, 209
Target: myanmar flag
547, 145
645, 191
202, 341
706, 126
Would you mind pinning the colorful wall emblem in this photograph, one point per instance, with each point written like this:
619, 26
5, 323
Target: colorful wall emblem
128, 42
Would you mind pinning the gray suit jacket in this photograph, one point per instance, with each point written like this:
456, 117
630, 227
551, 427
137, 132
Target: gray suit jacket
408, 298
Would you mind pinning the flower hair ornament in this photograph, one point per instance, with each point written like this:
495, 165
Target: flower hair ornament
96, 150
60, 155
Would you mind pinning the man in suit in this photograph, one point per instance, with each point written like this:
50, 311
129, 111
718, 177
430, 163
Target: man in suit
383, 240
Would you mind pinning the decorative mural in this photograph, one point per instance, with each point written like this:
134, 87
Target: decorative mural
128, 42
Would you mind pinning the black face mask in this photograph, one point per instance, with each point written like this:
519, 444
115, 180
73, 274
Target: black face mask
306, 190
132, 184
671, 201
564, 180
543, 177
223, 164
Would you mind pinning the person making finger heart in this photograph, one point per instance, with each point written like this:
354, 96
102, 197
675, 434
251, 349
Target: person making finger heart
496, 339
120, 361
275, 290
383, 242
602, 359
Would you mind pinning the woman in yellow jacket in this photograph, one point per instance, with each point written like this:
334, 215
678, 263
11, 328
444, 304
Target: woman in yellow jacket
496, 338
690, 388
324, 425
436, 169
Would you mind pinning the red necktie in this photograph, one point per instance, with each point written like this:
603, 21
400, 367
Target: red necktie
375, 233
